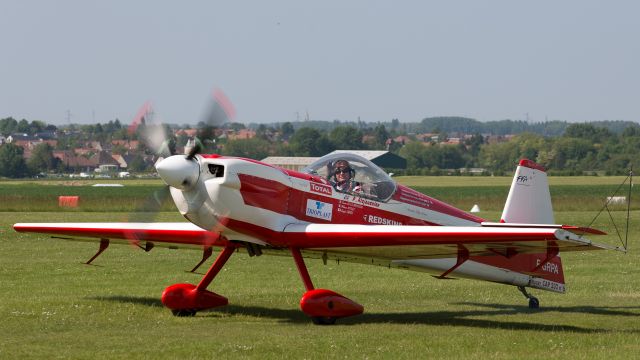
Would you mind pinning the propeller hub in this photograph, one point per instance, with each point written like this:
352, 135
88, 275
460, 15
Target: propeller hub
179, 171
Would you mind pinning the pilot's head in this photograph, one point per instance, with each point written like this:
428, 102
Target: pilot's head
342, 170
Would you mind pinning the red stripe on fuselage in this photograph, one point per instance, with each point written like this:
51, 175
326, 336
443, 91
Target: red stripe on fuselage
415, 198
405, 195
345, 209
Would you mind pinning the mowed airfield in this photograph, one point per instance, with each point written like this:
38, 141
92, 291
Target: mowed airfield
53, 306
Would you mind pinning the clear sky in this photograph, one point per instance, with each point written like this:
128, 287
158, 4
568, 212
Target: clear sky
574, 60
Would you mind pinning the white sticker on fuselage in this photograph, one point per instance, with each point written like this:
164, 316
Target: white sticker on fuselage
319, 209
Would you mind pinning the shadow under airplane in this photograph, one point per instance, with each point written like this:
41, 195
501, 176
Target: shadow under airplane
436, 318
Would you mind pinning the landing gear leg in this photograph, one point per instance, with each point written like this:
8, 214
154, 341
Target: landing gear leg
323, 306
187, 299
534, 303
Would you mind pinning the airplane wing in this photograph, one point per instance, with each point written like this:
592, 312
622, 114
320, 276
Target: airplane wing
432, 242
178, 234
371, 241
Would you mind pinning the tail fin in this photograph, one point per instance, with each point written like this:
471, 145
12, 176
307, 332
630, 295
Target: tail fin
529, 201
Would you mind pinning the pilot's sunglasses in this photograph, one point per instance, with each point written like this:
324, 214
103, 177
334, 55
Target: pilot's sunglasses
343, 171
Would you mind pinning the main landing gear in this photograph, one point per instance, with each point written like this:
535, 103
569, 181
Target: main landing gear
323, 306
187, 299
534, 303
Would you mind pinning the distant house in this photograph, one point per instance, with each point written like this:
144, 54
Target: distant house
130, 145
73, 161
241, 134
47, 135
122, 162
85, 162
28, 142
96, 145
104, 158
20, 138
427, 137
402, 139
452, 141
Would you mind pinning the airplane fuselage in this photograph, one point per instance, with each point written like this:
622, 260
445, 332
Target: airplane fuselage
273, 198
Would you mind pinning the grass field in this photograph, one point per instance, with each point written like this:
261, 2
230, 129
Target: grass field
52, 306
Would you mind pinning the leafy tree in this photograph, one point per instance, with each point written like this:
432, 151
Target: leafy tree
36, 126
474, 143
23, 126
395, 124
42, 159
236, 126
8, 126
499, 157
137, 164
346, 137
380, 135
448, 157
13, 165
254, 148
631, 131
588, 131
310, 142
119, 149
262, 132
568, 152
287, 130
415, 154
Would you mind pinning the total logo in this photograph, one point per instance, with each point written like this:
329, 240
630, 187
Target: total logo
319, 209
321, 189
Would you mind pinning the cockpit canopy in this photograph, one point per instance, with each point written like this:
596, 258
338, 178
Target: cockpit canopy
373, 182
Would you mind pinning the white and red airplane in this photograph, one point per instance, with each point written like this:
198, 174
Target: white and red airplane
243, 204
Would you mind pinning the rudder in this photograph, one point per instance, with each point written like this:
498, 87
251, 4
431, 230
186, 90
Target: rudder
529, 200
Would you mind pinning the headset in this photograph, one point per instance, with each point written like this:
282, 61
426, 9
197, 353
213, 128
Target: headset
332, 173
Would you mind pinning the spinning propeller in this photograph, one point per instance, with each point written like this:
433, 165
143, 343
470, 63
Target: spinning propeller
180, 172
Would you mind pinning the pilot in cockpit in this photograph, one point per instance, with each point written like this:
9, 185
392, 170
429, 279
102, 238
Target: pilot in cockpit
342, 177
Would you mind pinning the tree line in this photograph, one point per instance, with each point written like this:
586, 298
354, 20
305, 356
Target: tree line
604, 147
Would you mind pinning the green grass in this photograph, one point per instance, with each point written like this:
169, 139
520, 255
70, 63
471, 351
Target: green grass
44, 197
53, 306
567, 193
579, 193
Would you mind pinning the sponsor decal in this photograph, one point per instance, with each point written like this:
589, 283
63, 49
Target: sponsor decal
347, 208
372, 219
524, 180
547, 284
321, 189
412, 197
361, 200
319, 209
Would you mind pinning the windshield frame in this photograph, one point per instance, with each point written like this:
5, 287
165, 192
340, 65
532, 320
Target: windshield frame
367, 173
